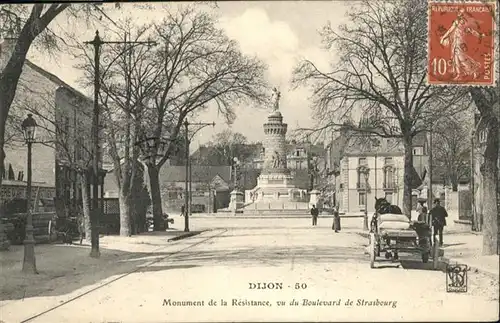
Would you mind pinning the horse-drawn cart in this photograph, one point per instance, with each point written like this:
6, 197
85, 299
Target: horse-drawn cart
394, 233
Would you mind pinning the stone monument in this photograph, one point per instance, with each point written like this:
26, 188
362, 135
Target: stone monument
275, 188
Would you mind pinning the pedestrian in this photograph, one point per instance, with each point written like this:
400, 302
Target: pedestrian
439, 215
182, 210
314, 213
80, 219
422, 211
336, 219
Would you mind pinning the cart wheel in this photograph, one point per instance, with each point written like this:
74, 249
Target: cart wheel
435, 254
372, 250
425, 257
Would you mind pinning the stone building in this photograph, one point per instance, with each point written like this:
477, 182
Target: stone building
383, 161
63, 116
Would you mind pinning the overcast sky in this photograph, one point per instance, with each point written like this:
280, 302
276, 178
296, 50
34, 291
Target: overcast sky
279, 32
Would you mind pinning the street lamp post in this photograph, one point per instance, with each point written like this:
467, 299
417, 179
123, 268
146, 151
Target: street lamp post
430, 194
187, 190
29, 262
97, 42
365, 219
236, 169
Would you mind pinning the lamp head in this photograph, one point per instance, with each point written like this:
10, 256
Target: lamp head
29, 128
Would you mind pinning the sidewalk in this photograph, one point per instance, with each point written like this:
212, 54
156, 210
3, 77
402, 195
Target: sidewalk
66, 268
466, 248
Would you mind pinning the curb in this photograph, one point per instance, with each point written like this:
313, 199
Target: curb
362, 234
185, 235
475, 269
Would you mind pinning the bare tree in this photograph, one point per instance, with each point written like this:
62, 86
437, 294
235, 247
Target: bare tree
487, 102
225, 146
381, 76
452, 148
200, 66
128, 79
29, 25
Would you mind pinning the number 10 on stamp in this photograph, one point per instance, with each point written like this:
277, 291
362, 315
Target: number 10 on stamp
461, 43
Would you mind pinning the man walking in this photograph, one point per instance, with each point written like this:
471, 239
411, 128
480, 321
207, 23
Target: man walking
314, 213
439, 215
182, 210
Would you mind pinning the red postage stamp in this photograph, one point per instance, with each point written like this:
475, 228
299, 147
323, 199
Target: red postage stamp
461, 43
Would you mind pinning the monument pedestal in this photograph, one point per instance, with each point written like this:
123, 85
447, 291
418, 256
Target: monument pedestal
236, 202
314, 198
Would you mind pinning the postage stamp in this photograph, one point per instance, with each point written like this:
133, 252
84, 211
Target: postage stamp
461, 43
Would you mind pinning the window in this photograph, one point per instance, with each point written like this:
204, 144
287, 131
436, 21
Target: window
418, 151
362, 181
362, 199
297, 153
388, 197
362, 161
297, 164
388, 160
388, 178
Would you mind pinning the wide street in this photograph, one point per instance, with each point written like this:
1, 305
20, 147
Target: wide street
310, 263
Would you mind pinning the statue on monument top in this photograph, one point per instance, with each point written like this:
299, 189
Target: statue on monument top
276, 96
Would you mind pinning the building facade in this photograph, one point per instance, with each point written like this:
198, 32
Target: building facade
373, 171
62, 115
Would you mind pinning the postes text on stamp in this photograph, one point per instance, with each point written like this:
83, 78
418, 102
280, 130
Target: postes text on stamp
461, 43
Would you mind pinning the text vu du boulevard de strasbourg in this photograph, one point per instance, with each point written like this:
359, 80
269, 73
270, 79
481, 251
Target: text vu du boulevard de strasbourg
239, 302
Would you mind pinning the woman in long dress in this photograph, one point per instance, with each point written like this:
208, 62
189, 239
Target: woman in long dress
463, 64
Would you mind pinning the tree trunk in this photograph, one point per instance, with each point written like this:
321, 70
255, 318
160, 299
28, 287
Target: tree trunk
454, 180
125, 213
478, 210
489, 171
133, 220
86, 206
486, 101
154, 182
4, 242
408, 165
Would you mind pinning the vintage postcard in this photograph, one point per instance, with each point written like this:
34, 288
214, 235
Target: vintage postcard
249, 161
